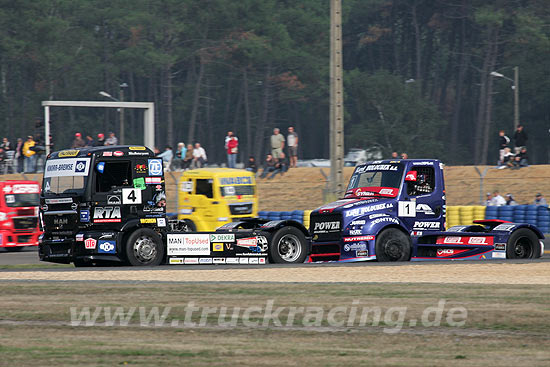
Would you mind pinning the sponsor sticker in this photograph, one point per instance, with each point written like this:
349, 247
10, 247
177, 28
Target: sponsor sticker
188, 244
79, 237
176, 260
67, 167
326, 227
107, 154
217, 247
261, 260
118, 153
90, 244
243, 260
84, 216
499, 255
355, 247
113, 200
191, 260
148, 220
364, 253
253, 260
186, 186
222, 237
140, 168
106, 247
108, 214
426, 225
155, 167
247, 242
136, 148
232, 260
161, 222
153, 180
504, 227
205, 260
500, 247
243, 180
364, 210
68, 153
358, 238
218, 260
446, 252
59, 201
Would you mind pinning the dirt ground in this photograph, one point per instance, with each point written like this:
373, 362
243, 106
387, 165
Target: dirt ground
302, 188
516, 273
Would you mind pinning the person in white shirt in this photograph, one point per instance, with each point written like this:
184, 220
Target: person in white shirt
497, 199
199, 156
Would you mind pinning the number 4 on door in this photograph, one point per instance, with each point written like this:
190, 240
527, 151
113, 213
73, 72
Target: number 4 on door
131, 196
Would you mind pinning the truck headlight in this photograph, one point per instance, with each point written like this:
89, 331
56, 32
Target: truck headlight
3, 216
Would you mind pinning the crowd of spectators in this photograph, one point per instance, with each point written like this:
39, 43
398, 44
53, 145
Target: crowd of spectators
495, 199
516, 158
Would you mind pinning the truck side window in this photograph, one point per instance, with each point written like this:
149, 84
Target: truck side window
113, 175
424, 184
204, 187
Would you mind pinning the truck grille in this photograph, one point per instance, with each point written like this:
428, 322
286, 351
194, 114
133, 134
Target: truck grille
240, 209
25, 223
325, 227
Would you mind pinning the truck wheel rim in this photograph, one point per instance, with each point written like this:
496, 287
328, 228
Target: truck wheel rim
394, 250
289, 248
523, 248
144, 249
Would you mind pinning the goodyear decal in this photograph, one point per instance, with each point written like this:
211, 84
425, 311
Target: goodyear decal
69, 153
244, 180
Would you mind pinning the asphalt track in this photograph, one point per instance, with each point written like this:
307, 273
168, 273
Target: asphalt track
29, 256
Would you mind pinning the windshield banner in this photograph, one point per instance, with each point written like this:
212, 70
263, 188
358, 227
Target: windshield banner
67, 167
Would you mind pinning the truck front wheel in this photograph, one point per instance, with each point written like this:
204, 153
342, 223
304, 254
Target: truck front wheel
144, 248
288, 246
392, 245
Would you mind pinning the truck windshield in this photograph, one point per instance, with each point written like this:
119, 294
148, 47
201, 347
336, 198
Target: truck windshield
65, 176
375, 179
237, 190
19, 200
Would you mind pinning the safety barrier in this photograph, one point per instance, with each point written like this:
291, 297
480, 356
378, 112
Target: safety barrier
456, 215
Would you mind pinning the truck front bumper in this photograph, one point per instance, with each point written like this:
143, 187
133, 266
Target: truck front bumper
16, 239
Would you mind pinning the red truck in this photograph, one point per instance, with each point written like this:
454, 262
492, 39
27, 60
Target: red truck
19, 201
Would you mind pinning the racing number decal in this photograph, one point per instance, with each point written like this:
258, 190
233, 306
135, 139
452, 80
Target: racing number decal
131, 196
407, 209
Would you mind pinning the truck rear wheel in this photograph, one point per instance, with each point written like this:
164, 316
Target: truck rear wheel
392, 245
523, 244
144, 248
288, 246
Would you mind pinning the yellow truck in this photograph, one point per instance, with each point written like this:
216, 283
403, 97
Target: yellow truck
211, 197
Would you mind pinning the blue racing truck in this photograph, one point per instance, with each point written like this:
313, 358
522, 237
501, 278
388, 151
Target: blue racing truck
394, 210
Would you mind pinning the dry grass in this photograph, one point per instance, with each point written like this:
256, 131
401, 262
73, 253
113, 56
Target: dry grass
506, 326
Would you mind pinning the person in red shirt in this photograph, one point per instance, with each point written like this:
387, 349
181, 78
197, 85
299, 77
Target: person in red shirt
232, 148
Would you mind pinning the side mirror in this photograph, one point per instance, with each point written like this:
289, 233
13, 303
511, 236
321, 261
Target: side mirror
411, 176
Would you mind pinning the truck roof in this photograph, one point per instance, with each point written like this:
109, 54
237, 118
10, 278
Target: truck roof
115, 150
217, 172
413, 161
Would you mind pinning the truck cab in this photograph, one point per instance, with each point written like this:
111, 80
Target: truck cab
211, 197
394, 199
93, 199
19, 202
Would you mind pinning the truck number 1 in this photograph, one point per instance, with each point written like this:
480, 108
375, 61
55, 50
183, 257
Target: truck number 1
407, 209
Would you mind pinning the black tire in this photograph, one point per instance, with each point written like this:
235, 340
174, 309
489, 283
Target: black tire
14, 249
186, 225
523, 244
392, 245
288, 246
144, 247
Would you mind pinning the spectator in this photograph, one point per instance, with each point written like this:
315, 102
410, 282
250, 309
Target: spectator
232, 148
394, 155
498, 200
277, 143
6, 145
177, 161
251, 164
89, 141
199, 156
29, 154
40, 149
51, 145
100, 140
19, 156
489, 200
292, 142
281, 166
78, 142
166, 156
269, 165
3, 158
520, 139
523, 158
503, 141
510, 200
112, 139
507, 159
188, 159
404, 155
540, 200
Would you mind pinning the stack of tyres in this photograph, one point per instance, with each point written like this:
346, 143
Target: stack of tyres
531, 216
453, 216
297, 215
519, 213
506, 213
466, 215
491, 212
479, 212
307, 213
543, 219
263, 214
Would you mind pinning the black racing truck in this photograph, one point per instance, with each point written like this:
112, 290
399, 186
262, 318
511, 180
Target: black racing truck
108, 204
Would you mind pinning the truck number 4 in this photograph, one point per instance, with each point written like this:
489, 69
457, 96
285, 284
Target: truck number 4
131, 196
